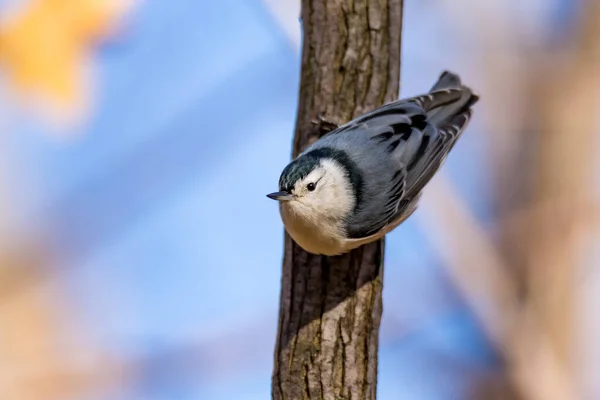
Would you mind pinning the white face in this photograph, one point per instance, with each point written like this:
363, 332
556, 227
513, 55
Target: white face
324, 193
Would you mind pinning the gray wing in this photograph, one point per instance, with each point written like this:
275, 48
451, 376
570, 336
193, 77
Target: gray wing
407, 141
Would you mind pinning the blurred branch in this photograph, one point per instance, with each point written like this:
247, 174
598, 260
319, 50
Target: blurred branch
286, 13
535, 332
480, 273
564, 110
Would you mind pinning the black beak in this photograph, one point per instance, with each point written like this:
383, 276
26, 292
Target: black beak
281, 196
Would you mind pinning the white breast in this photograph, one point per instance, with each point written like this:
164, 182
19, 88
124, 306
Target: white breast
317, 236
327, 237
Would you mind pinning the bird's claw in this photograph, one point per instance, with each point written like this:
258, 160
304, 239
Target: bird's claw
324, 124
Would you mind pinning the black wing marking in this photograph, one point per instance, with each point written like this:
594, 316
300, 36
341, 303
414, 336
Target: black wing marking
430, 159
395, 195
394, 117
396, 192
430, 125
408, 182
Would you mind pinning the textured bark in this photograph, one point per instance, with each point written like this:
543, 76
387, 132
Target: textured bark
330, 307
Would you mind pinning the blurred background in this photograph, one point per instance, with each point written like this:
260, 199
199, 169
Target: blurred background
140, 258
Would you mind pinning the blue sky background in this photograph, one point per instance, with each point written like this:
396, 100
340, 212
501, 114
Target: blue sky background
165, 247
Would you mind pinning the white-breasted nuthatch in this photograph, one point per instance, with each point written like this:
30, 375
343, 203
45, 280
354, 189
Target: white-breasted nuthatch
360, 181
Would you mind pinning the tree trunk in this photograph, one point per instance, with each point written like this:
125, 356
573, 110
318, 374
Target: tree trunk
330, 307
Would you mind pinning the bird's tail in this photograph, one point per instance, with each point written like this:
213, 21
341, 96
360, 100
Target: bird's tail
452, 99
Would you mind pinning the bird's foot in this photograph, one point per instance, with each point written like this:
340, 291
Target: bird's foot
324, 124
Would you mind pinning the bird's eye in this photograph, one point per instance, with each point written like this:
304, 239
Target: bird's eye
311, 186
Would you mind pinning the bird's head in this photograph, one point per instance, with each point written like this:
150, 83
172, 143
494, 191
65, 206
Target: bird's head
317, 185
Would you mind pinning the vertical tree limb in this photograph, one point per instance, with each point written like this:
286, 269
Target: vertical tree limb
330, 307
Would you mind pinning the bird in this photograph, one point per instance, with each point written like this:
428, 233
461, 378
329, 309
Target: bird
363, 179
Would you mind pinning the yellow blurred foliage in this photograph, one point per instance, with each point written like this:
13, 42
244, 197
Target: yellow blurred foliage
44, 46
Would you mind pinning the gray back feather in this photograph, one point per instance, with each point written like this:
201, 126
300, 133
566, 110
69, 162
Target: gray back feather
398, 148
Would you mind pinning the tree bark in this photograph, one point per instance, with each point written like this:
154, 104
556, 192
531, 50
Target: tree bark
330, 307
